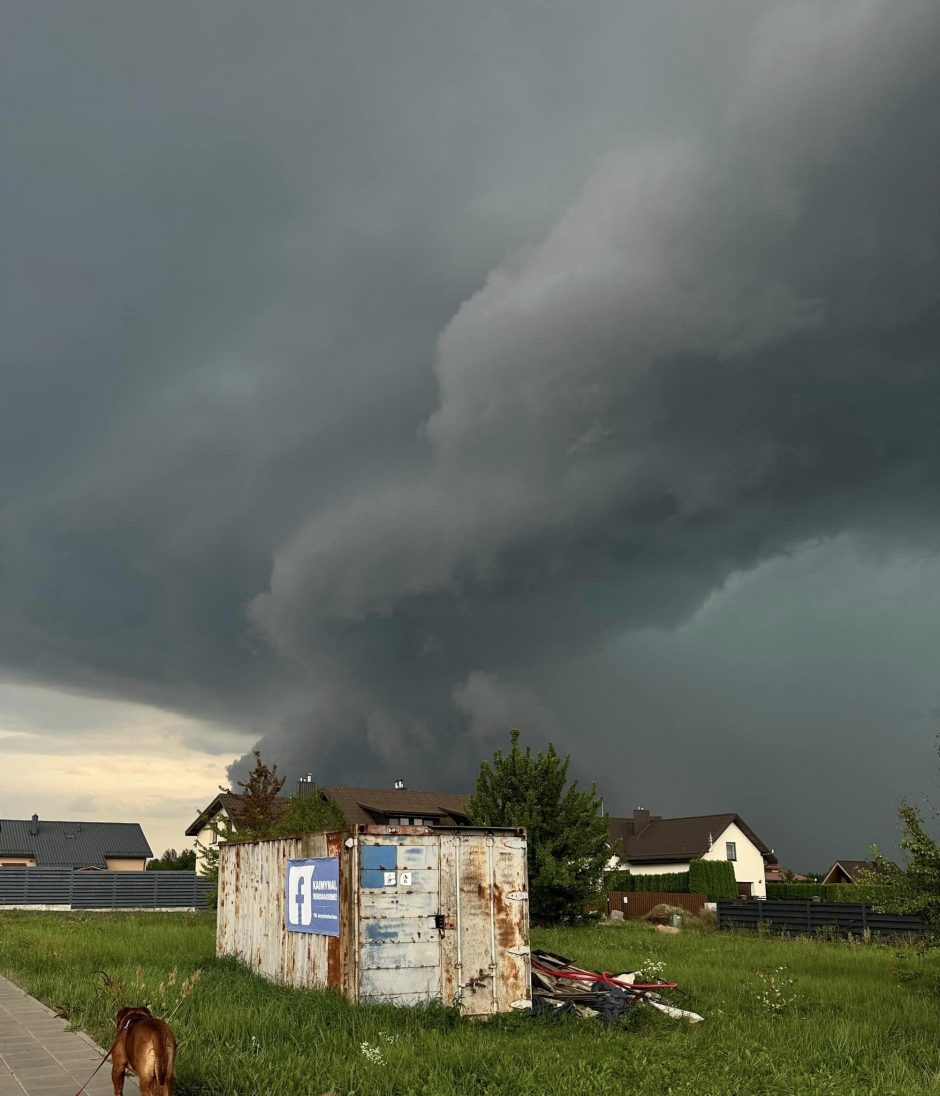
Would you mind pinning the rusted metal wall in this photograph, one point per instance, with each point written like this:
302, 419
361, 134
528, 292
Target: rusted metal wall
424, 915
250, 919
637, 903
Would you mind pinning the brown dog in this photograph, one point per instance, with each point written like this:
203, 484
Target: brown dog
147, 1045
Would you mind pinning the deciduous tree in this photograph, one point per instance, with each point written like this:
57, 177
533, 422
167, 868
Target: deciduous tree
171, 860
567, 833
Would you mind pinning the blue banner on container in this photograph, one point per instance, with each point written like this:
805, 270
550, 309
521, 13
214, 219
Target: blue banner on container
313, 895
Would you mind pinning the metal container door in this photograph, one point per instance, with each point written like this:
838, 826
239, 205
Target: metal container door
490, 946
398, 898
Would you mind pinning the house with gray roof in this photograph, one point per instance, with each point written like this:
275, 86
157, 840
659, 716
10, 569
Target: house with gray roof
38, 843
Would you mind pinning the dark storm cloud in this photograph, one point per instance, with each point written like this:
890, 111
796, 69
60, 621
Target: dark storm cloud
720, 351
366, 371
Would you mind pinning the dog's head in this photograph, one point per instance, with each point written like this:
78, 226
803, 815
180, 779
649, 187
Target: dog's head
127, 1016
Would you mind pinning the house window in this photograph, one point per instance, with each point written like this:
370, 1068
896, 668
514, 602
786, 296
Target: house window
731, 850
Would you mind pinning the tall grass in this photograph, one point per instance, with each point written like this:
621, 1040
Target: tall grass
846, 1026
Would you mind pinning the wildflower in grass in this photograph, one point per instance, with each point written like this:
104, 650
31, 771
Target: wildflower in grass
372, 1053
776, 994
652, 969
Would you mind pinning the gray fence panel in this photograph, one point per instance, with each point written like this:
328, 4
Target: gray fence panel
794, 917
12, 886
93, 890
51, 888
103, 889
29, 887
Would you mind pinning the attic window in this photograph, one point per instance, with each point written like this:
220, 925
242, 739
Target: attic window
731, 850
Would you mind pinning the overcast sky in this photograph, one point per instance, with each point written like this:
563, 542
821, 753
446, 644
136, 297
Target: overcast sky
379, 376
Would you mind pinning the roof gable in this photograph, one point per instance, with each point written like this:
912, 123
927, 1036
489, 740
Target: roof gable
224, 801
854, 868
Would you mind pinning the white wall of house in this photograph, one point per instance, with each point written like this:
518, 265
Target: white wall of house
122, 863
18, 862
645, 869
749, 865
208, 838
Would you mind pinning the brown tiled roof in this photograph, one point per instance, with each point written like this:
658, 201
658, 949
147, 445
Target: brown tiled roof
364, 806
852, 868
669, 840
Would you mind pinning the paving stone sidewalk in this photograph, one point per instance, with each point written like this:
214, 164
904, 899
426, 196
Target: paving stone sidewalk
39, 1056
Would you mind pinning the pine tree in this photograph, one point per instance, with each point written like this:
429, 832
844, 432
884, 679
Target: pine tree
567, 834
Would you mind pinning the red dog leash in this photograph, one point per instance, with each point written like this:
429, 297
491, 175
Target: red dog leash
99, 1065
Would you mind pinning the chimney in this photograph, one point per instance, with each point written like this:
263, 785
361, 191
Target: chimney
305, 786
399, 785
641, 819
34, 826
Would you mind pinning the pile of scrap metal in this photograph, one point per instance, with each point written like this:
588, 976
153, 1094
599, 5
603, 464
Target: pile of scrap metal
559, 987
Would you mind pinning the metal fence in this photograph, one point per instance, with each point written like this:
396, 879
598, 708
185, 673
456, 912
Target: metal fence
65, 888
801, 918
637, 903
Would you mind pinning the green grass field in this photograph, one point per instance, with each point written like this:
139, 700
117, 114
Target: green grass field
847, 1026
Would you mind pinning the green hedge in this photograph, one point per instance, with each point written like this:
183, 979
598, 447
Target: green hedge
828, 892
673, 882
714, 878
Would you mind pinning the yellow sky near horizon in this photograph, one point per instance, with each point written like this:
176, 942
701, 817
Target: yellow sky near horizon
71, 757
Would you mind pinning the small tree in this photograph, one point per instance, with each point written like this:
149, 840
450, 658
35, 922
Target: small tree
258, 806
257, 811
567, 834
261, 813
309, 813
916, 890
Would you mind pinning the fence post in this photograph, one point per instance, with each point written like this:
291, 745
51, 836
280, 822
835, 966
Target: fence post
864, 917
809, 918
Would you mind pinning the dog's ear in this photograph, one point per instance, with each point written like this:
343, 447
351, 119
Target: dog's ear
120, 1016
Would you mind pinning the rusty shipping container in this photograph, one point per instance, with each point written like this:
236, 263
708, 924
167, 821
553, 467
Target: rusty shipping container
401, 914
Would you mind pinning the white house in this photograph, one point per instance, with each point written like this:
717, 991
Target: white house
647, 844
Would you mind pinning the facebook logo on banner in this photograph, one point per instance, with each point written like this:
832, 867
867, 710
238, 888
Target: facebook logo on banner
313, 895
